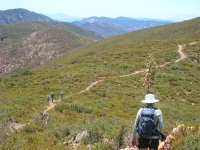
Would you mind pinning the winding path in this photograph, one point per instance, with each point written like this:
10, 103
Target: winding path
182, 56
52, 105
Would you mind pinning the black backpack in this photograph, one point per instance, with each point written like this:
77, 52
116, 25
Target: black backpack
145, 125
52, 94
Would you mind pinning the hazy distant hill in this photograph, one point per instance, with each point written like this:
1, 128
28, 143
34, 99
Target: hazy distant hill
21, 15
108, 27
63, 17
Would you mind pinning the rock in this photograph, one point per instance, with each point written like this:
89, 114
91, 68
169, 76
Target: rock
80, 136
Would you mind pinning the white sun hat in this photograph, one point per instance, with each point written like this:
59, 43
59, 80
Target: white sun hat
149, 98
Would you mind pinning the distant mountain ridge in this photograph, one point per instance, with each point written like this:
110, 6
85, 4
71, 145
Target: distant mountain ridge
21, 15
63, 17
102, 26
108, 27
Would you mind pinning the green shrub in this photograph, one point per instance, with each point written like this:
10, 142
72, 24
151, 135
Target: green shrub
61, 132
167, 76
80, 108
67, 100
192, 142
101, 145
62, 107
186, 139
45, 82
31, 128
25, 72
124, 66
120, 136
175, 67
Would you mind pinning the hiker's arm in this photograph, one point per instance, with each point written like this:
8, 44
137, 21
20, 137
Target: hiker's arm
134, 126
161, 123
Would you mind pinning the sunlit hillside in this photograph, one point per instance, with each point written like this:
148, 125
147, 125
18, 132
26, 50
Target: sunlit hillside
39, 42
103, 89
19, 30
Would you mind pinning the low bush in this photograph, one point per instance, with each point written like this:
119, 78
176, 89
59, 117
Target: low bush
62, 107
61, 132
124, 66
31, 128
80, 108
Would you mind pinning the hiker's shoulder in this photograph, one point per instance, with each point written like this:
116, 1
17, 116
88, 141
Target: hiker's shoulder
158, 111
140, 110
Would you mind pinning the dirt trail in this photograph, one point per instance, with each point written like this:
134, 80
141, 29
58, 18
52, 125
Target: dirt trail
183, 56
16, 126
91, 85
52, 105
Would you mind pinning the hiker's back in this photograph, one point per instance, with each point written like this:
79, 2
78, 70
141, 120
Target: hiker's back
52, 94
145, 125
48, 98
61, 94
148, 121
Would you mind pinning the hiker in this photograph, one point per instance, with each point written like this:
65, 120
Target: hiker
148, 136
62, 94
48, 98
52, 95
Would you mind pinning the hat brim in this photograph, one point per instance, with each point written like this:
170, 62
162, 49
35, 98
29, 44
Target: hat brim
150, 101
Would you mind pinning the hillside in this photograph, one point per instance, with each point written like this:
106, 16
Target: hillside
112, 69
182, 30
14, 38
21, 15
19, 30
39, 47
108, 27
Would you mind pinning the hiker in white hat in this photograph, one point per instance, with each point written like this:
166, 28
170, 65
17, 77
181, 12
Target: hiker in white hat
148, 121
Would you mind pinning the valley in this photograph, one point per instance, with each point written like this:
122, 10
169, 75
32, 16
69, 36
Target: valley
52, 105
102, 82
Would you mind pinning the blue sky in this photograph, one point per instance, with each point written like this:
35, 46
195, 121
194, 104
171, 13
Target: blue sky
157, 9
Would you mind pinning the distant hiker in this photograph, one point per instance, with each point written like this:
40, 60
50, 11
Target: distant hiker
62, 94
146, 125
52, 96
48, 98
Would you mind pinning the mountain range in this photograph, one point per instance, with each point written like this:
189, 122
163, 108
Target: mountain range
103, 86
63, 17
20, 15
103, 82
22, 26
104, 26
108, 27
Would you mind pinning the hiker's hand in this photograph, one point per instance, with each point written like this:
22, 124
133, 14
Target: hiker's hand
134, 142
162, 137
